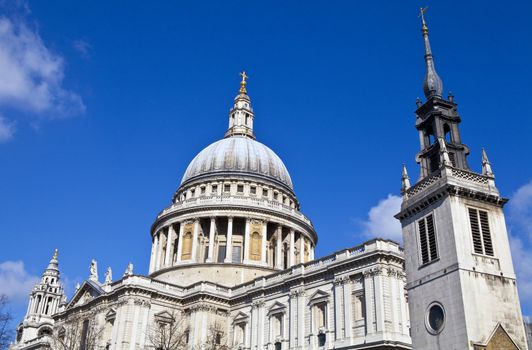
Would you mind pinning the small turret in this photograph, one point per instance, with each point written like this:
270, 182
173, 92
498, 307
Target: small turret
241, 115
45, 299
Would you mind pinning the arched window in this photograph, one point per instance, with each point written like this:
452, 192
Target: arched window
44, 331
447, 133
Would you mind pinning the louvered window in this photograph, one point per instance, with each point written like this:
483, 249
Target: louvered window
427, 239
480, 230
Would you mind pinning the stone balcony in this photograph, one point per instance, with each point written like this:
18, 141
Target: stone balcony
235, 201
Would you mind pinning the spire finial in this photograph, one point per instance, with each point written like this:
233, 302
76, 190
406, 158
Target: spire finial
243, 83
422, 11
405, 180
433, 85
486, 165
54, 257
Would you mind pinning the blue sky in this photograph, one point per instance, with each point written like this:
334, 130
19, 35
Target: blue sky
103, 105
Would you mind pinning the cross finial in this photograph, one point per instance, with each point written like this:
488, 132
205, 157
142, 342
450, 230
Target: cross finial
243, 82
422, 11
55, 254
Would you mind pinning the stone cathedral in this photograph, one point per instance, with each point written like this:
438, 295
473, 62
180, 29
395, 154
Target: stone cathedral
232, 261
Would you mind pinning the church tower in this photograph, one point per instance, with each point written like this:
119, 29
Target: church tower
460, 278
45, 300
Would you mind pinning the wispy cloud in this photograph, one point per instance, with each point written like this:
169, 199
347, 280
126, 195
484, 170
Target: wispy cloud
83, 47
31, 77
15, 281
380, 221
520, 227
7, 129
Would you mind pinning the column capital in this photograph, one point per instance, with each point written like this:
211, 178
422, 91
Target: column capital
213, 218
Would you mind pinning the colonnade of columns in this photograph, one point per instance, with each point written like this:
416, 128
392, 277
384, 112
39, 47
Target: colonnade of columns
230, 240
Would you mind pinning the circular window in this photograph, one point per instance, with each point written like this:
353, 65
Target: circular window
435, 318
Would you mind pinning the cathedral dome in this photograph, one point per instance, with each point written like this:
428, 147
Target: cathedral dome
238, 155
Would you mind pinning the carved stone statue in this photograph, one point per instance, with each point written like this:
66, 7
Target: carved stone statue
94, 271
108, 276
129, 270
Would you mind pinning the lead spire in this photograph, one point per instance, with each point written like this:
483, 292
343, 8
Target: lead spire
241, 114
433, 85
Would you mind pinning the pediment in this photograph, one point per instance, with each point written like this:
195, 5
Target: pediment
276, 308
88, 291
240, 317
110, 315
499, 339
164, 316
319, 295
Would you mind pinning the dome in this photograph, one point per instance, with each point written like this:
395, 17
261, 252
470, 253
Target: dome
240, 155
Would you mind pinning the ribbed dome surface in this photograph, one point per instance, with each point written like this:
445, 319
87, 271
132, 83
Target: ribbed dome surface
239, 155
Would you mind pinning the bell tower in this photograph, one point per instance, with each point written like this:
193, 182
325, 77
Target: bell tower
46, 299
461, 282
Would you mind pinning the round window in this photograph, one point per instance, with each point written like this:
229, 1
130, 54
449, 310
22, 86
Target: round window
435, 318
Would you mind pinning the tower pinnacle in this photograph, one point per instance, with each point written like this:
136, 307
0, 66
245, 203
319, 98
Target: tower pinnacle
241, 114
432, 85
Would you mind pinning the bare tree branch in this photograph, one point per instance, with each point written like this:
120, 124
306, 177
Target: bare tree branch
77, 333
5, 320
169, 332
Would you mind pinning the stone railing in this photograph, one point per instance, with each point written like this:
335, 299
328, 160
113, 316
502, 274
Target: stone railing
301, 269
451, 173
423, 184
237, 201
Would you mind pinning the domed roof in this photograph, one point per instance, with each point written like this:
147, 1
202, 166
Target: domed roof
238, 154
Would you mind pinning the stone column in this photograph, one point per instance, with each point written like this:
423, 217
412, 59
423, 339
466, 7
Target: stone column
195, 240
347, 307
212, 229
311, 251
180, 241
301, 306
229, 244
170, 239
291, 253
293, 317
159, 250
278, 248
338, 295
379, 300
263, 244
246, 241
301, 248
153, 253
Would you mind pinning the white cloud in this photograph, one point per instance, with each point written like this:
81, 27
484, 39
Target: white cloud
15, 281
7, 129
380, 221
520, 210
31, 75
520, 227
523, 269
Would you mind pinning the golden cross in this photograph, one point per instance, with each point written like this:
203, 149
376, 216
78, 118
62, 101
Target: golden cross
244, 76
422, 11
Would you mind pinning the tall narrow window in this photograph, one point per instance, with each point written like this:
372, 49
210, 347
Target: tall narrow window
237, 254
480, 230
427, 239
221, 253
